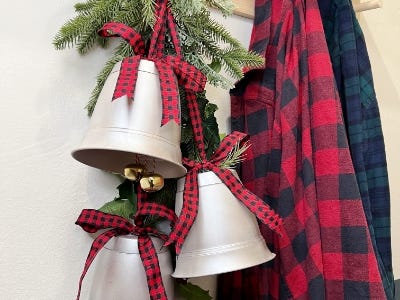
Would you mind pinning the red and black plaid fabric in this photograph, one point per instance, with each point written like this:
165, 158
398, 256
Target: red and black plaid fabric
189, 77
191, 193
300, 164
93, 220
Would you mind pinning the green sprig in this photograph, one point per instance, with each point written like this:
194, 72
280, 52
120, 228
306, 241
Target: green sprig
236, 156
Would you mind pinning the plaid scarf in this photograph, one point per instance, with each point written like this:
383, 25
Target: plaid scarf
300, 165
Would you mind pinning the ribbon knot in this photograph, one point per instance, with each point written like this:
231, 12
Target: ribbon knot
93, 220
191, 194
189, 77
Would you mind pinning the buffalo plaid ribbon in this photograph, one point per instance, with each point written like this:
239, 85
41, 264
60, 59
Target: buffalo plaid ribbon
191, 192
92, 220
189, 77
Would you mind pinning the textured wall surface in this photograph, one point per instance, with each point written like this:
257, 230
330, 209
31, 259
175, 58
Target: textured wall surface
43, 93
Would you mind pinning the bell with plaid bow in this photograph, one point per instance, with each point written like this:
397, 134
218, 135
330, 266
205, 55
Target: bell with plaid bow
225, 235
137, 116
119, 272
128, 131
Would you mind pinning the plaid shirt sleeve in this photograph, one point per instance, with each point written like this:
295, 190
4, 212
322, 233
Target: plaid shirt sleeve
300, 164
353, 75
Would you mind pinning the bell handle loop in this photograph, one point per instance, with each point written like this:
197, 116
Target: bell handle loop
174, 33
116, 29
197, 126
157, 40
157, 37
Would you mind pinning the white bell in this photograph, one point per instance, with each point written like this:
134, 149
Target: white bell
225, 235
119, 272
124, 131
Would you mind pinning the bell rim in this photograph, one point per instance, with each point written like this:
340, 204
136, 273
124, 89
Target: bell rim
258, 246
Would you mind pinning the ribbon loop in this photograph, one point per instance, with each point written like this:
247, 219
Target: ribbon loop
92, 220
154, 209
134, 39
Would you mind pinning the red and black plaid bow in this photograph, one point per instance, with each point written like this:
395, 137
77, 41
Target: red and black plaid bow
191, 192
189, 77
93, 220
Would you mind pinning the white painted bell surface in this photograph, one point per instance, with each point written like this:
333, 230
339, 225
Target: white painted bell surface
125, 131
119, 272
225, 235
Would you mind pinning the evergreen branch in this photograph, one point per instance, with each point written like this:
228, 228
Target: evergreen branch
148, 14
234, 60
224, 6
122, 51
213, 77
218, 33
186, 7
231, 67
68, 34
102, 42
247, 58
84, 7
209, 48
236, 156
129, 14
101, 14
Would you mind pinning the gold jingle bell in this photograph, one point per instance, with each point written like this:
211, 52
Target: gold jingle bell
134, 172
151, 183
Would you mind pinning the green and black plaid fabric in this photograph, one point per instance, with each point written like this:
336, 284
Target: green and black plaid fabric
354, 81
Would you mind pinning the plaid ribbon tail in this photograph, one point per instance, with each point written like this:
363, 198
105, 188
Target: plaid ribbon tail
127, 77
151, 266
97, 245
169, 93
188, 213
195, 117
261, 210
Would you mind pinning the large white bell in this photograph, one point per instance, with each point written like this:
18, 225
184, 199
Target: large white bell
124, 131
119, 272
225, 235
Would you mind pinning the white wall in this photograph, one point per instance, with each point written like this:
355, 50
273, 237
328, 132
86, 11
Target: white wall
43, 190
42, 119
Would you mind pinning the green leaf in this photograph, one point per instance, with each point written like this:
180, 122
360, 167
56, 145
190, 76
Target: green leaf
216, 65
126, 192
193, 292
209, 110
122, 208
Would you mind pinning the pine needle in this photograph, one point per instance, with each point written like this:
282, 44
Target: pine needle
236, 156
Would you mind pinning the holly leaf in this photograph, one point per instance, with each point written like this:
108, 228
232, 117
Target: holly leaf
126, 192
209, 110
122, 208
193, 292
215, 65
